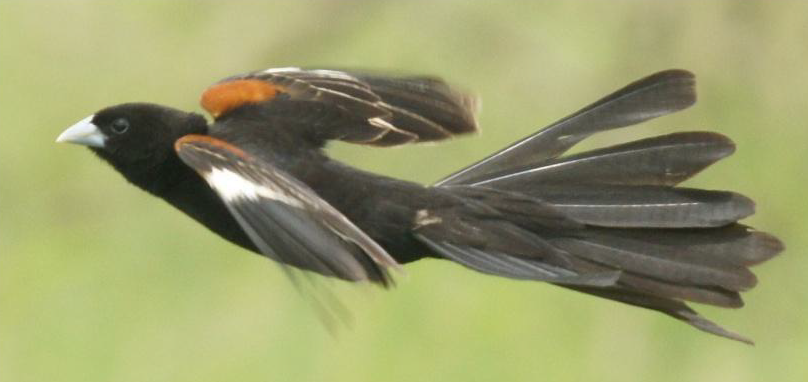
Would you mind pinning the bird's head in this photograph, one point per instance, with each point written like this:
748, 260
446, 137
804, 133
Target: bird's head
130, 135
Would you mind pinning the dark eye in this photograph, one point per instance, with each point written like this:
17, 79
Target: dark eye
120, 125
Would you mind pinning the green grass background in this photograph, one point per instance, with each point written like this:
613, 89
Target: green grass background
100, 282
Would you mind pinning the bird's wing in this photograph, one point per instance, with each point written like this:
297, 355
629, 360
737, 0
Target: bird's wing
366, 108
286, 220
656, 95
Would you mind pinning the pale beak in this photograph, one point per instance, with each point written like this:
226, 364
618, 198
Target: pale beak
83, 132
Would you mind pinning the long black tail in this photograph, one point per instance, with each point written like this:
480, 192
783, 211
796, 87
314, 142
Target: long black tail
609, 222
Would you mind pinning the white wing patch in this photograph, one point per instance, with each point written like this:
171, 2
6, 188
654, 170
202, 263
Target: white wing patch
322, 72
232, 186
334, 74
282, 70
379, 122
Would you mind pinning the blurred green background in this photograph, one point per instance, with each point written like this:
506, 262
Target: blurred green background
100, 282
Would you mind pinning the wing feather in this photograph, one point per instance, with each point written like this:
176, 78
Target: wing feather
285, 219
391, 110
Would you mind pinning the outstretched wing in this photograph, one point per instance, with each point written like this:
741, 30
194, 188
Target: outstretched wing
376, 110
286, 220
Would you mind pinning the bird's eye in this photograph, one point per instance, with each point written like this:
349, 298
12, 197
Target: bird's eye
120, 125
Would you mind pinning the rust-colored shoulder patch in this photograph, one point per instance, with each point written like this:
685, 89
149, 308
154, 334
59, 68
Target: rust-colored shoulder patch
221, 98
206, 141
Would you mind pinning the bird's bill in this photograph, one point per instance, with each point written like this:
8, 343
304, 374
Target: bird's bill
84, 132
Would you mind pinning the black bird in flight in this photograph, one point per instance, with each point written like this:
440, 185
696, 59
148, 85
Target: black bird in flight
610, 222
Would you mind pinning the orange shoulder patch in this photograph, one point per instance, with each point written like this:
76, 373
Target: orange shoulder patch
221, 98
206, 141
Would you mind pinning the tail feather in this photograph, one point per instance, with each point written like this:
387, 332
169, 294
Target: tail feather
655, 268
660, 288
663, 160
694, 293
660, 266
501, 264
642, 206
653, 96
609, 222
671, 307
636, 260
736, 244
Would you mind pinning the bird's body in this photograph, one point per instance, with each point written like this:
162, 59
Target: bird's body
609, 222
383, 207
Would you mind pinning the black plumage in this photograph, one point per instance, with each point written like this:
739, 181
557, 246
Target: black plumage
609, 222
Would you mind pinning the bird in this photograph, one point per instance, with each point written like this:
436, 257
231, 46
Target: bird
613, 222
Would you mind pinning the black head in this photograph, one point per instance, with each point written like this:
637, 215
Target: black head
135, 138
